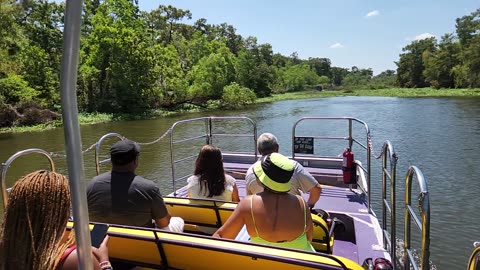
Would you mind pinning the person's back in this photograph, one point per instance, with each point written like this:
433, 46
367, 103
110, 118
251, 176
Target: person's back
274, 216
278, 219
122, 197
209, 179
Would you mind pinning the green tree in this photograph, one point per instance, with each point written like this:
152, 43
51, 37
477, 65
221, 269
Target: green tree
236, 96
12, 39
252, 67
439, 65
410, 67
471, 58
322, 66
116, 73
385, 79
467, 27
296, 78
164, 21
14, 89
41, 75
211, 75
338, 74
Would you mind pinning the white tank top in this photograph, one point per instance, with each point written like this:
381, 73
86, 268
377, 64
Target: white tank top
195, 192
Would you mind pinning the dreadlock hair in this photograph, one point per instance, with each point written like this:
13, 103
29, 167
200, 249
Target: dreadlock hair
35, 221
209, 168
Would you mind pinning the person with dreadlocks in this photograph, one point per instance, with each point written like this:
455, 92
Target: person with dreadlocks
33, 234
209, 179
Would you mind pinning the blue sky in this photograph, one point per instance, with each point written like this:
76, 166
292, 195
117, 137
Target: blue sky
364, 33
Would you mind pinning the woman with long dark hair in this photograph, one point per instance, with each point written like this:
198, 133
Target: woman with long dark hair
209, 179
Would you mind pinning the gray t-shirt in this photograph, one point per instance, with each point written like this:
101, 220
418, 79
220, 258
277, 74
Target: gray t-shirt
124, 198
301, 180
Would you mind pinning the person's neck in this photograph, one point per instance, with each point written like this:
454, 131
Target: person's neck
122, 169
269, 192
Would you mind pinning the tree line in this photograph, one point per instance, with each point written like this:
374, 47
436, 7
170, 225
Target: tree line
452, 62
133, 61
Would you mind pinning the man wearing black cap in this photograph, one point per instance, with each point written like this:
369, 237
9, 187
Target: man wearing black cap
122, 197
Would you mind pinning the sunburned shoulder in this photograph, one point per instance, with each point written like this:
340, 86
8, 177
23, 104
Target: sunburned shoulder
244, 203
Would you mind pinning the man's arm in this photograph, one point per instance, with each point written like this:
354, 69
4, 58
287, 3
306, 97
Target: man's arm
308, 183
251, 184
234, 223
163, 221
160, 214
314, 195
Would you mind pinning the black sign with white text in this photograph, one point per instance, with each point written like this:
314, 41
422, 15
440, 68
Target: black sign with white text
303, 145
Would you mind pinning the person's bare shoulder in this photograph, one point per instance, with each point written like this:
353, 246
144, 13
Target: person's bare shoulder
244, 204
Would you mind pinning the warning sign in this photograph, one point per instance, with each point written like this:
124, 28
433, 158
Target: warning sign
303, 145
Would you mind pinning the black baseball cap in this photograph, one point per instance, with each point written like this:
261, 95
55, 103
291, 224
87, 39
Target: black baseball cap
124, 152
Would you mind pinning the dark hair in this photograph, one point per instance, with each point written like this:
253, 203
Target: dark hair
209, 168
124, 152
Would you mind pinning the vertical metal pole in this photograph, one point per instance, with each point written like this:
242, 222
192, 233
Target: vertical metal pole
369, 153
68, 83
172, 162
407, 228
384, 196
393, 214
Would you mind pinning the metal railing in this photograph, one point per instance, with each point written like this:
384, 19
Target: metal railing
389, 165
98, 146
351, 142
9, 161
209, 135
423, 225
474, 261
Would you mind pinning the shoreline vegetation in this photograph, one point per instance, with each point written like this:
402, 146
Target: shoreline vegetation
96, 118
138, 64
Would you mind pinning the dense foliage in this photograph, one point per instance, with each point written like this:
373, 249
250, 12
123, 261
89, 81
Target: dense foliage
132, 61
453, 62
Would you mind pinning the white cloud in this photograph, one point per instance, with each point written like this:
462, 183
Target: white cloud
336, 46
373, 13
424, 36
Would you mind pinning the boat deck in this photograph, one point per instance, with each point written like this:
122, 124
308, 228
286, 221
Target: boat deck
350, 206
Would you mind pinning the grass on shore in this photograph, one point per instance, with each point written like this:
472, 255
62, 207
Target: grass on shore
387, 92
94, 118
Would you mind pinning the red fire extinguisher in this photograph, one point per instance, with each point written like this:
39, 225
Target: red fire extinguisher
348, 167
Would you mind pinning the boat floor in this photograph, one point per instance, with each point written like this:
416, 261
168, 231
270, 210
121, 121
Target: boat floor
351, 207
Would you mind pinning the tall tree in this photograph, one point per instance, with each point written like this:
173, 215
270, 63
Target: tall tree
467, 27
338, 74
322, 66
411, 66
116, 74
439, 65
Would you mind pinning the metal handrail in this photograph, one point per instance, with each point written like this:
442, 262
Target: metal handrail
351, 141
99, 144
73, 142
389, 157
209, 135
473, 262
423, 225
9, 161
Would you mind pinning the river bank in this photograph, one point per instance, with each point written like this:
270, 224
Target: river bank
95, 118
